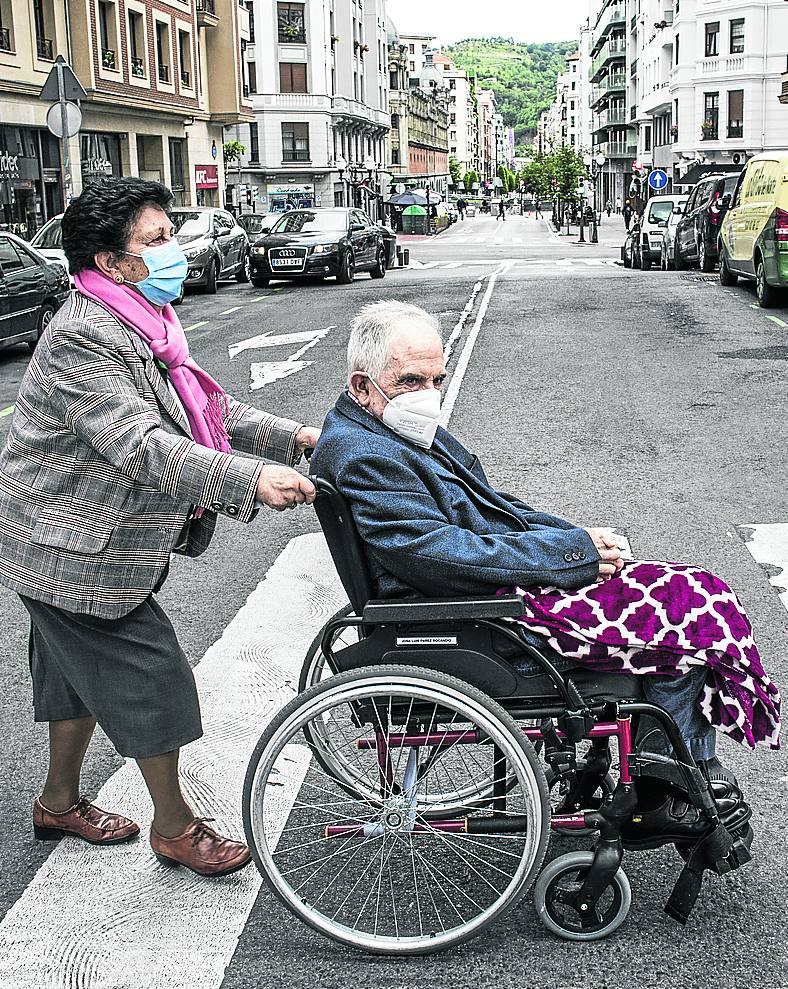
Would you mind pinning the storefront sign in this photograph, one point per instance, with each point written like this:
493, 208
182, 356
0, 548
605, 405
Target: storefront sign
9, 166
96, 166
291, 189
206, 176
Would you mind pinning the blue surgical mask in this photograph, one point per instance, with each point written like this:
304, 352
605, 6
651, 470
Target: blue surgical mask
167, 269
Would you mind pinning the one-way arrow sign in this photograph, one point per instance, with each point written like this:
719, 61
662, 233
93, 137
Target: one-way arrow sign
72, 87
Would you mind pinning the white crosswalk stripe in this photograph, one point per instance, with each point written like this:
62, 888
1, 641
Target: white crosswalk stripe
517, 262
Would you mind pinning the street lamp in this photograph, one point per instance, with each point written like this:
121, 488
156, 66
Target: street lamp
594, 166
341, 164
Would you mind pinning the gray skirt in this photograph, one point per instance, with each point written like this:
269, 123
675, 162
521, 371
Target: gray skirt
129, 673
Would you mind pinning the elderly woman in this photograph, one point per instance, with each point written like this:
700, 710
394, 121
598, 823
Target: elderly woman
119, 455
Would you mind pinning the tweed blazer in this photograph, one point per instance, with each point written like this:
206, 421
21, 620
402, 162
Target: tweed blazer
99, 472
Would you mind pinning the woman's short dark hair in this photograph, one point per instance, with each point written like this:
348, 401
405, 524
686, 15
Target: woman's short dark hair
102, 217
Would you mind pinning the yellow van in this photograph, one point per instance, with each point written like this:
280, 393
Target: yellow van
754, 236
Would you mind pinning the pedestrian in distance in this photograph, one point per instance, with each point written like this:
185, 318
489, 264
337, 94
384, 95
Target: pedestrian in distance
501, 215
121, 453
608, 207
537, 210
461, 206
618, 204
627, 215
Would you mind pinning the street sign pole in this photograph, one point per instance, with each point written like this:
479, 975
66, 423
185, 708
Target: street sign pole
64, 149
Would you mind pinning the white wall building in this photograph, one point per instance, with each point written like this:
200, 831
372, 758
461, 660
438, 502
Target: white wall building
319, 79
464, 137
416, 47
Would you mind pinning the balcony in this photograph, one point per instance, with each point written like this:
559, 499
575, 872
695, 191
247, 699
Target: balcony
164, 73
612, 17
294, 101
288, 155
735, 128
619, 149
206, 13
44, 49
614, 83
783, 97
616, 48
716, 66
108, 59
354, 109
5, 40
614, 117
137, 67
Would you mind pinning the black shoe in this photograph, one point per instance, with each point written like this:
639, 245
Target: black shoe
675, 821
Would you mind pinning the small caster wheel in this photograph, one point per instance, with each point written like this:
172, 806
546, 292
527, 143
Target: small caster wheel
555, 897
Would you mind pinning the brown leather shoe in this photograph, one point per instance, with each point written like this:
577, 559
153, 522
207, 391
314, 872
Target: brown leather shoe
85, 821
201, 849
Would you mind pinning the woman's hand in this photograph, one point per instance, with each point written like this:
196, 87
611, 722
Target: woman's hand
282, 487
609, 551
306, 439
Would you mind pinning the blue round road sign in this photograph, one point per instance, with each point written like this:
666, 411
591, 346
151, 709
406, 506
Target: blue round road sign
658, 179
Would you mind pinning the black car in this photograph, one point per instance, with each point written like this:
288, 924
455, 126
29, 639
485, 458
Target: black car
629, 249
319, 243
32, 289
215, 245
697, 235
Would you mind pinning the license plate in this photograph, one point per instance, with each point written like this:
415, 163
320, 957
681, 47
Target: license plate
287, 262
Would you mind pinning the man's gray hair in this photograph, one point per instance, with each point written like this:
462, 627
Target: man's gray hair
369, 346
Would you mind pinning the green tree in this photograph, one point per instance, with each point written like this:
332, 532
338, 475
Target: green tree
232, 151
470, 177
455, 170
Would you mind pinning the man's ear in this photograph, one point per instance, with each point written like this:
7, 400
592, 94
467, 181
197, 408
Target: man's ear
360, 387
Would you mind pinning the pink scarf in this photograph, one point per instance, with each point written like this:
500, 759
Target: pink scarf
203, 398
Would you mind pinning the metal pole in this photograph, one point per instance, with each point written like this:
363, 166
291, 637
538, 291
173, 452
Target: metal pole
64, 149
594, 232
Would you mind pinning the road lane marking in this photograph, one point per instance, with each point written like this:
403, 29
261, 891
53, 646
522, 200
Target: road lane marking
777, 320
100, 918
231, 309
447, 406
262, 373
459, 326
270, 339
194, 326
7, 411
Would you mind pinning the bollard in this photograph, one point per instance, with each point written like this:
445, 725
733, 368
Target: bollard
399, 257
405, 257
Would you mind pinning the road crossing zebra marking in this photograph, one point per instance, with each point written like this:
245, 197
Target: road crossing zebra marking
417, 265
112, 918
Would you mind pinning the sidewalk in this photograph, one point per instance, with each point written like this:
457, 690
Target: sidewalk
611, 231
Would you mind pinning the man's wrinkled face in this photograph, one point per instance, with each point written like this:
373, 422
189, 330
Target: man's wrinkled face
415, 364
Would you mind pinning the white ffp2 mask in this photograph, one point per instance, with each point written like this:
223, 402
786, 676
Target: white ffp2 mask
413, 415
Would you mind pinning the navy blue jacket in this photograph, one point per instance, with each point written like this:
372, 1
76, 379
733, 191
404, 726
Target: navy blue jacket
430, 521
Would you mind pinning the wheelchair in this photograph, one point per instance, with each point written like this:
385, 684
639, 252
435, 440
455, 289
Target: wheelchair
404, 799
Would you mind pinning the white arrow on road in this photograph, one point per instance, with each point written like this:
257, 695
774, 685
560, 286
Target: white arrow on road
263, 373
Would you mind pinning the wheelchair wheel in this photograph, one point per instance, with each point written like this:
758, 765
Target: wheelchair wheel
332, 755
556, 888
379, 874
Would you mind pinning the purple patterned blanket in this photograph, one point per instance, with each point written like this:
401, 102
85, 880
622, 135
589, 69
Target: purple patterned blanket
662, 618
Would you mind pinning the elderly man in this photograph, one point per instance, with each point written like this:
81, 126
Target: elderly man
433, 525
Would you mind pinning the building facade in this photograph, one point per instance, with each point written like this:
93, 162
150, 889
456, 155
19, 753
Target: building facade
320, 79
464, 121
157, 105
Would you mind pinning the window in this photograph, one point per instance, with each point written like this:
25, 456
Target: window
394, 121
676, 57
177, 171
295, 142
254, 143
736, 113
711, 116
9, 259
737, 36
424, 47
108, 36
412, 66
290, 23
136, 37
250, 8
647, 137
412, 49
395, 156
574, 85
44, 25
163, 51
185, 58
292, 77
712, 39
251, 75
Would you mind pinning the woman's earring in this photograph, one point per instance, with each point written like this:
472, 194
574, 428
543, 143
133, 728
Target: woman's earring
118, 278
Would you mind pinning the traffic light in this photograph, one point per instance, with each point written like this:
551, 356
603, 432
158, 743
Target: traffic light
248, 197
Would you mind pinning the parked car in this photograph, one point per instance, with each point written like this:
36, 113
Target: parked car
215, 244
648, 248
258, 223
755, 229
629, 247
669, 235
32, 289
319, 243
49, 241
698, 232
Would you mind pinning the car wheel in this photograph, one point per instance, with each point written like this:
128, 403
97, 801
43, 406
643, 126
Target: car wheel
644, 261
347, 269
379, 271
245, 271
626, 258
260, 281
678, 261
727, 277
767, 296
44, 319
706, 263
212, 277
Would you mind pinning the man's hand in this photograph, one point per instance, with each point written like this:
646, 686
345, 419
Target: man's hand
306, 439
609, 551
282, 487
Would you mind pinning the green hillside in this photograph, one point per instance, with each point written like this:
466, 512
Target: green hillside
522, 75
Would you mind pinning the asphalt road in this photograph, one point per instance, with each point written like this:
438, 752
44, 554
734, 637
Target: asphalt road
654, 402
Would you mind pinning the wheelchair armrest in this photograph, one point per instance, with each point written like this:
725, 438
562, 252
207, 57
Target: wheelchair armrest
443, 609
